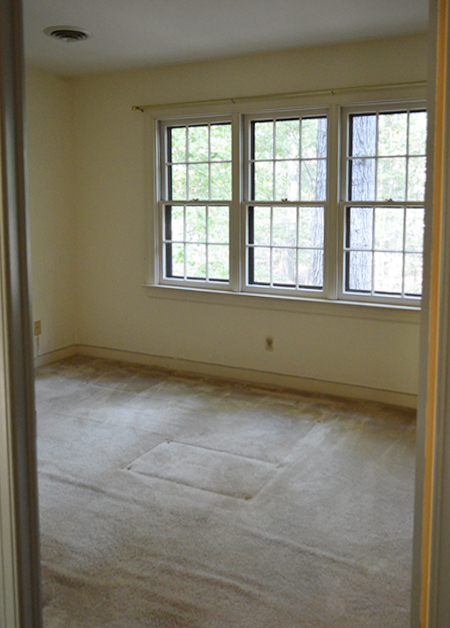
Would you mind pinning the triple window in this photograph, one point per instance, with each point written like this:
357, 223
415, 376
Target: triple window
295, 203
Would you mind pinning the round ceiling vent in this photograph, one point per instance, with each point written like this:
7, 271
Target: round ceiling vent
67, 33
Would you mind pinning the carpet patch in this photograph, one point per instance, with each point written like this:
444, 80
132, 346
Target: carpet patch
205, 469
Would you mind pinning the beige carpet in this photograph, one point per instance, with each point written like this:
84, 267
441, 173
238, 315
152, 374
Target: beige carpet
169, 501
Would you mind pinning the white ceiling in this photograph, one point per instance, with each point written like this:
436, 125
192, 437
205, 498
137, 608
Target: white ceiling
132, 33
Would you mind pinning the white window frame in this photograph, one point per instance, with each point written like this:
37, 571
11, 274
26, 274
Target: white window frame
337, 104
300, 112
164, 201
344, 203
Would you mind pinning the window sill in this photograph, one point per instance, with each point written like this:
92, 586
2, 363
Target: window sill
322, 307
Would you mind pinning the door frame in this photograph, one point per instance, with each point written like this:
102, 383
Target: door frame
20, 599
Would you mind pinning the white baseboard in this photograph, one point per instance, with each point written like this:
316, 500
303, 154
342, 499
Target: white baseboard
54, 356
302, 384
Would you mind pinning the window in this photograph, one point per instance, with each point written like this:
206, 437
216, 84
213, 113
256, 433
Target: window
287, 172
323, 203
384, 217
197, 195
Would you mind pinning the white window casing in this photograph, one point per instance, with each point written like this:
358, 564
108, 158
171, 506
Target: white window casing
241, 114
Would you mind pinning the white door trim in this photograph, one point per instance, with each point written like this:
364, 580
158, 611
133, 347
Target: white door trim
20, 604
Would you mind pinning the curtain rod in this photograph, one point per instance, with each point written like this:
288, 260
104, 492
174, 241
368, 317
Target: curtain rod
249, 99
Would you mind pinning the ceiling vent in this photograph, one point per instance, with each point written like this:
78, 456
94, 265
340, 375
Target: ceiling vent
67, 33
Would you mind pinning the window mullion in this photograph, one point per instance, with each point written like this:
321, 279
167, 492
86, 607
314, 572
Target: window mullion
155, 175
404, 250
297, 238
300, 162
274, 170
237, 209
374, 209
207, 238
407, 156
271, 246
184, 242
377, 124
187, 163
333, 235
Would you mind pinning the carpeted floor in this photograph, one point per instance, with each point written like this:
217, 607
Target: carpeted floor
171, 501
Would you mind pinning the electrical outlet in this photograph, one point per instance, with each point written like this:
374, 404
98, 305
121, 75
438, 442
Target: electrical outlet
269, 343
37, 328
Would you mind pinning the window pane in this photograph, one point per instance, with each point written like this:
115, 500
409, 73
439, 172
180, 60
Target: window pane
186, 232
218, 262
218, 224
284, 226
314, 178
264, 181
220, 142
177, 260
198, 181
361, 228
415, 225
362, 176
416, 179
196, 261
198, 143
221, 181
287, 134
314, 138
389, 228
359, 271
177, 144
287, 180
417, 132
391, 179
310, 227
177, 183
284, 261
394, 169
388, 272
261, 225
392, 133
261, 271
310, 269
263, 140
196, 224
413, 273
177, 223
363, 136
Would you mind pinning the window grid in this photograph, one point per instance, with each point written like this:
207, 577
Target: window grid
187, 163
373, 250
284, 150
407, 287
377, 157
272, 246
274, 160
169, 241
194, 257
335, 280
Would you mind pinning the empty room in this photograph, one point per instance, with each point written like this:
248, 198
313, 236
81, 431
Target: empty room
226, 214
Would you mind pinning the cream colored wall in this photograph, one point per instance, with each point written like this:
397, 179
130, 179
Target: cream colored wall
115, 311
51, 208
